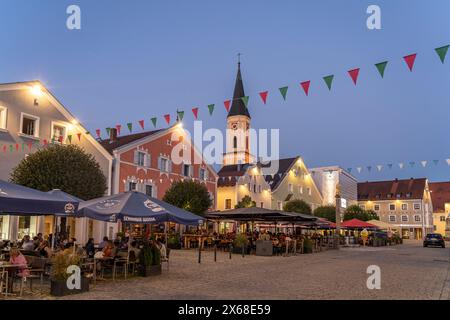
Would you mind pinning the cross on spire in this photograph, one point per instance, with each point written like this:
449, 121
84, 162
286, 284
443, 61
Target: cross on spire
239, 57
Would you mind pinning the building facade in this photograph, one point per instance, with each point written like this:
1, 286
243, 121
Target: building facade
30, 118
405, 204
328, 178
440, 195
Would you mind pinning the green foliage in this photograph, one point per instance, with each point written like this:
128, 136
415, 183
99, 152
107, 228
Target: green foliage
61, 261
246, 202
240, 240
327, 212
356, 212
298, 206
149, 255
156, 255
307, 246
68, 168
189, 195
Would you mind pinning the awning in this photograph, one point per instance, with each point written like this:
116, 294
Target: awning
259, 214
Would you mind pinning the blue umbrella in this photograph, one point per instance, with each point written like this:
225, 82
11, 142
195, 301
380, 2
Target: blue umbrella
64, 196
19, 200
136, 207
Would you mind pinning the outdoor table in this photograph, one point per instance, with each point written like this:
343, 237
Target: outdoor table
11, 270
95, 265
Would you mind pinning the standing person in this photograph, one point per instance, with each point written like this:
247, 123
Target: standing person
90, 249
162, 249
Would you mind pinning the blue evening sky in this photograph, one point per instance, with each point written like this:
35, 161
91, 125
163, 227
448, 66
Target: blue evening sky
136, 59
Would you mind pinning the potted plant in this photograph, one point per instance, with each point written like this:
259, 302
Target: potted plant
240, 242
307, 246
149, 260
59, 275
173, 242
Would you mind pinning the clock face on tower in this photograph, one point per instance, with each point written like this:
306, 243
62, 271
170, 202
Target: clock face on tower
234, 126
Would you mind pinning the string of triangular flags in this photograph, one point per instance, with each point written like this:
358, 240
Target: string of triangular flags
400, 165
305, 86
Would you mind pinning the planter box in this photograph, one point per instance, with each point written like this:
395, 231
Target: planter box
175, 246
148, 271
59, 288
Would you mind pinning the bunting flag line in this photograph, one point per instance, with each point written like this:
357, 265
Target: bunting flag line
349, 170
227, 105
167, 117
69, 137
263, 96
354, 75
153, 120
130, 126
401, 165
180, 115
195, 112
97, 132
369, 168
412, 163
435, 162
379, 167
305, 85
423, 163
79, 136
359, 169
141, 123
329, 80
211, 109
410, 59
30, 145
118, 128
448, 161
108, 130
390, 166
381, 67
283, 91
245, 100
442, 52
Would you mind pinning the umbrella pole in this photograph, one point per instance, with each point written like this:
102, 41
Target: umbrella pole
165, 233
54, 233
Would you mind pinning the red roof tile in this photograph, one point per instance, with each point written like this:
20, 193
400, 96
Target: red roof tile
391, 190
124, 140
440, 194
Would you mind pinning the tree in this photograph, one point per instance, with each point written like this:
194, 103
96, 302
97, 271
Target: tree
246, 202
326, 212
189, 195
68, 168
372, 215
356, 212
298, 206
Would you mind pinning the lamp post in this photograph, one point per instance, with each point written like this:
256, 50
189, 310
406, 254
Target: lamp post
338, 214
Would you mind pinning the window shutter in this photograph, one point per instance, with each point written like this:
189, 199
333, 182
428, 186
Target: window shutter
135, 156
169, 165
159, 163
147, 160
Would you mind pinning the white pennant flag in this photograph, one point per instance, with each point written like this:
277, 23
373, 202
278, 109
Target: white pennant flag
424, 163
359, 169
448, 161
379, 167
401, 165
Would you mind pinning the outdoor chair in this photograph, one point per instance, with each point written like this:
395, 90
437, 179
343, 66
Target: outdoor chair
4, 282
121, 262
132, 261
166, 259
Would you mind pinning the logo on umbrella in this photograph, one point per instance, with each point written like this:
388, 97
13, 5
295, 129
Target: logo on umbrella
108, 204
3, 193
69, 208
153, 206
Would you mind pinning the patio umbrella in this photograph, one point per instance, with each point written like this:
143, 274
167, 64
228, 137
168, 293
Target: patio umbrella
135, 207
19, 200
357, 224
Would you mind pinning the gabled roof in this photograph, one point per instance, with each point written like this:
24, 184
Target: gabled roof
227, 174
392, 189
440, 195
237, 106
284, 165
124, 140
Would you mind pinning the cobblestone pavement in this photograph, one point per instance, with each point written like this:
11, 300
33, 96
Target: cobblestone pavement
408, 271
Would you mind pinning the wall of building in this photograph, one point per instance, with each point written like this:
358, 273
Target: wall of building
327, 180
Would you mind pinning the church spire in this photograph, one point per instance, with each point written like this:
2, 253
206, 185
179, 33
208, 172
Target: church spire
238, 107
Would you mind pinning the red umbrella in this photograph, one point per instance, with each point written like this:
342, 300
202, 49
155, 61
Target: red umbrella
358, 224
326, 223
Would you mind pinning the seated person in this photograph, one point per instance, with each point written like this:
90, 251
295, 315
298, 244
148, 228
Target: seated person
109, 250
27, 244
103, 243
44, 249
90, 249
135, 249
17, 258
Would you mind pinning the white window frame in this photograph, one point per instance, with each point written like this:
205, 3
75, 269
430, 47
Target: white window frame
442, 218
405, 205
59, 124
404, 216
153, 189
417, 216
362, 206
144, 156
37, 124
189, 167
392, 220
167, 166
300, 189
392, 204
417, 204
375, 206
3, 117
200, 174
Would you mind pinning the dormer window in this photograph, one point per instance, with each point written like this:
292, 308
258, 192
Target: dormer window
59, 132
29, 125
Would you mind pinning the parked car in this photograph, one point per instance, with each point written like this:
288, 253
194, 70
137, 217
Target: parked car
434, 239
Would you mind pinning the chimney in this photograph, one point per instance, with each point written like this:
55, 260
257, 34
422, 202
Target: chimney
112, 135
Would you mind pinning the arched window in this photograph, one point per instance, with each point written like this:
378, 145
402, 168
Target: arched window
234, 142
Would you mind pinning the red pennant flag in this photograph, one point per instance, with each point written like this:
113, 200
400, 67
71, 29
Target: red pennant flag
354, 75
30, 145
227, 105
79, 136
167, 117
118, 127
45, 142
60, 139
98, 133
263, 96
141, 123
17, 147
4, 148
195, 112
410, 60
305, 86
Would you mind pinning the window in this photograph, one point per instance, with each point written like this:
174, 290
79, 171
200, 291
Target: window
254, 188
3, 114
149, 190
280, 205
29, 125
434, 228
291, 188
164, 164
227, 204
235, 142
392, 218
416, 206
186, 170
362, 206
169, 142
404, 206
59, 132
202, 174
404, 218
417, 218
392, 207
132, 186
376, 207
259, 189
262, 204
308, 191
442, 218
140, 159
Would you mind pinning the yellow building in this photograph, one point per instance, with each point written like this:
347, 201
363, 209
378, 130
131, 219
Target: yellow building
440, 195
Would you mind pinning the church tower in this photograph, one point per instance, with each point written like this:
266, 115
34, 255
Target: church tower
238, 127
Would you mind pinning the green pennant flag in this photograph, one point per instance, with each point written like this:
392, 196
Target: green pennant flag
130, 126
154, 121
69, 137
23, 146
245, 100
442, 52
329, 80
211, 109
180, 115
108, 130
381, 67
10, 148
283, 91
